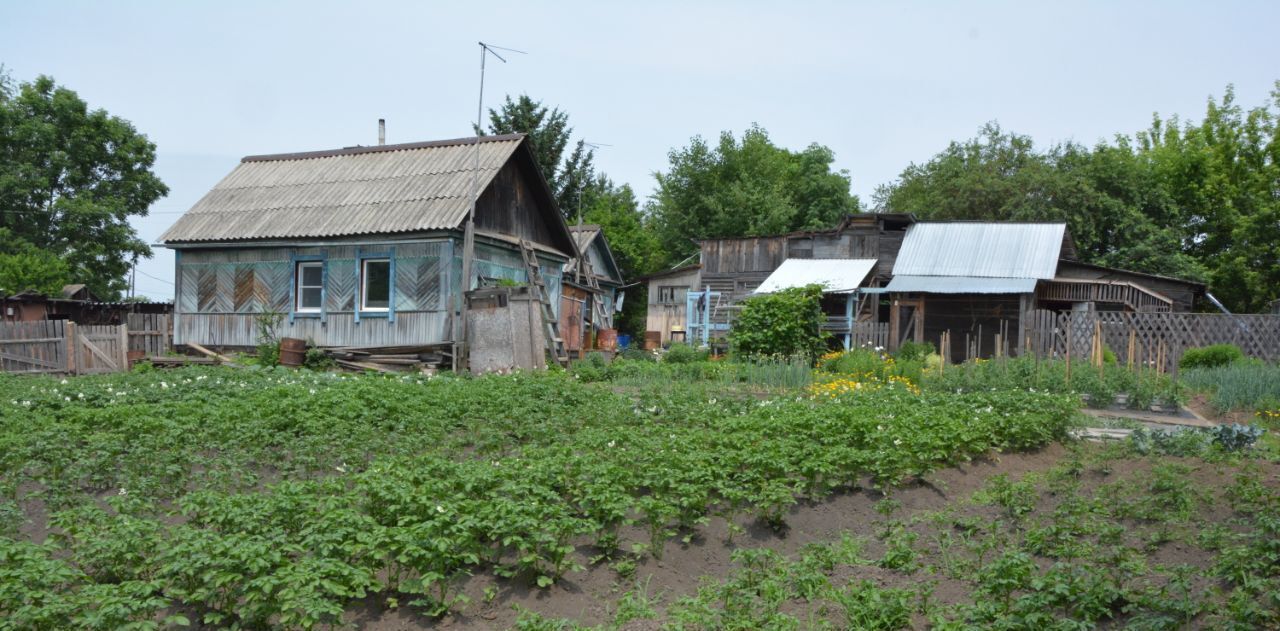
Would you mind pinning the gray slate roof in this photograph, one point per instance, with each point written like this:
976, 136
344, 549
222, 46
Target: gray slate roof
981, 250
361, 190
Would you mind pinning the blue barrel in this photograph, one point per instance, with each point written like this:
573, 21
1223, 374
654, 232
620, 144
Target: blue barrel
624, 341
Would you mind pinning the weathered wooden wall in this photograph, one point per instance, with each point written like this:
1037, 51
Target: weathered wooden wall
972, 318
510, 206
663, 317
221, 291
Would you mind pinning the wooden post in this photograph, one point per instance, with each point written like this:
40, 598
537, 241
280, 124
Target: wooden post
124, 348
1133, 344
1070, 343
69, 340
894, 324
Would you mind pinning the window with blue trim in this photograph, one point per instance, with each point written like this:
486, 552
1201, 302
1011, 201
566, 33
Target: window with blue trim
375, 284
309, 288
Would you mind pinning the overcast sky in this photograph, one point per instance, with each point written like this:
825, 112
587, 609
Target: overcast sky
882, 84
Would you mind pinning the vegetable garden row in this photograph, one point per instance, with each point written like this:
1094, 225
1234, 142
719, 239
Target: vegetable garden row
277, 498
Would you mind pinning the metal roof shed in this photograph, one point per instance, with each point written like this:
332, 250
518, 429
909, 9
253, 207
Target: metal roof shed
981, 250
836, 276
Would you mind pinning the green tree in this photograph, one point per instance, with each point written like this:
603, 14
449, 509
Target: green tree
24, 267
744, 188
1196, 200
70, 179
1106, 195
549, 131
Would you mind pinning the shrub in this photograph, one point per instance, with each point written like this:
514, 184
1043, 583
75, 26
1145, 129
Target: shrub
1211, 356
853, 362
914, 351
680, 353
317, 359
784, 324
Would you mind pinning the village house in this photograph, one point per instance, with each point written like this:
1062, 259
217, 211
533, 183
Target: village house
362, 246
890, 278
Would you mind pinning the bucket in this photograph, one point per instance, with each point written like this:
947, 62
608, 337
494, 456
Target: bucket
292, 351
607, 339
624, 341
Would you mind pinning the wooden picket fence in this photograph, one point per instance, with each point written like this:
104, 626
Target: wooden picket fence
63, 347
865, 334
1156, 340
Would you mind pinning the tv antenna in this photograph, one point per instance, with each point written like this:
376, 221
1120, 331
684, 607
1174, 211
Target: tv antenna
594, 146
469, 233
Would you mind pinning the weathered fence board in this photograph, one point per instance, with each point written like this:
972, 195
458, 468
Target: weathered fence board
150, 333
101, 348
33, 347
58, 346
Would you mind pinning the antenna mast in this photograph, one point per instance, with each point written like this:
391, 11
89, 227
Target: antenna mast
469, 234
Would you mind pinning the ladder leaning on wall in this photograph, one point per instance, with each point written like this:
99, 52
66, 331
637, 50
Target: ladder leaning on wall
550, 325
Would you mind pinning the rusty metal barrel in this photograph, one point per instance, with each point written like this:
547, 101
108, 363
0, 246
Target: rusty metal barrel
607, 339
292, 351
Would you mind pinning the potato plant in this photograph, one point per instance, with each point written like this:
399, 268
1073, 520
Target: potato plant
276, 498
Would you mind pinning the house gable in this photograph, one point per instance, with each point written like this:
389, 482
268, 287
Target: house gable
518, 203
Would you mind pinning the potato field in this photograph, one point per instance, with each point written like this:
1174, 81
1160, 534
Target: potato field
279, 499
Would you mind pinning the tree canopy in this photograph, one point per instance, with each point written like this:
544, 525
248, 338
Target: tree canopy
550, 132
70, 179
1195, 200
745, 188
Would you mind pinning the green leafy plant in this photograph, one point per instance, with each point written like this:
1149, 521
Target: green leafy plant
786, 323
1214, 356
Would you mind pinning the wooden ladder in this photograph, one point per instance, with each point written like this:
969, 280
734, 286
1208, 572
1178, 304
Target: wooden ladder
550, 325
597, 301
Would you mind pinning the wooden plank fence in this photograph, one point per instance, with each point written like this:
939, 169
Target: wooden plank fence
63, 347
150, 333
1156, 340
33, 347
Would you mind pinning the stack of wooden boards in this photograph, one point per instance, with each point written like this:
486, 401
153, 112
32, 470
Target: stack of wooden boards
389, 358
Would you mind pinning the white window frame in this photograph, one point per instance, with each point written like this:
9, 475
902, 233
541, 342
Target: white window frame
299, 286
364, 285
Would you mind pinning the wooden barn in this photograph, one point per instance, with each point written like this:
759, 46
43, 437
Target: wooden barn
981, 281
362, 246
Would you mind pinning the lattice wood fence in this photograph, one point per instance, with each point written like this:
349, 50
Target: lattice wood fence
1150, 339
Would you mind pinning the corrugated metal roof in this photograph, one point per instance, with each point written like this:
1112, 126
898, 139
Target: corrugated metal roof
981, 249
960, 285
363, 190
837, 276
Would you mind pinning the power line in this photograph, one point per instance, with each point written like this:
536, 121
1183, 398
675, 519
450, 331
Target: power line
167, 282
